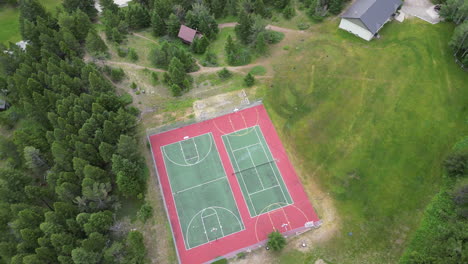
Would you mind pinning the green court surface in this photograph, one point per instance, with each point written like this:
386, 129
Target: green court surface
204, 200
261, 182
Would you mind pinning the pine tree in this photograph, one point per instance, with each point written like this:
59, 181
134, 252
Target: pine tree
260, 8
201, 19
30, 10
244, 28
173, 25
249, 80
289, 11
157, 24
231, 49
95, 45
218, 7
137, 17
163, 7
109, 5
200, 45
176, 72
86, 6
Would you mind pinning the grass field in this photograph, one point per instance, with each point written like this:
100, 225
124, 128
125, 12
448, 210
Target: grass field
372, 121
9, 29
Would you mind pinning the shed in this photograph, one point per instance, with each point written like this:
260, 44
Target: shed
187, 34
366, 17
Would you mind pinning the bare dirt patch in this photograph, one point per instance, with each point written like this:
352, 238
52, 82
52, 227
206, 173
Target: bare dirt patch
212, 106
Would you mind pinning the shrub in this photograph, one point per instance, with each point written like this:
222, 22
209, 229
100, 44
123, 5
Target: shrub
133, 85
276, 241
224, 74
126, 99
122, 52
249, 80
258, 70
161, 57
146, 211
117, 75
303, 26
241, 255
210, 60
154, 77
456, 164
273, 37
132, 55
289, 11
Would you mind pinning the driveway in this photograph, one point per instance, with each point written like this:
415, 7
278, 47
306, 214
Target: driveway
422, 9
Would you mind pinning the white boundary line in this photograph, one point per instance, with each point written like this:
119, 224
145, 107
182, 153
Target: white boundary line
246, 147
196, 149
256, 171
164, 200
219, 222
242, 177
209, 215
265, 189
188, 165
201, 212
199, 185
186, 244
271, 166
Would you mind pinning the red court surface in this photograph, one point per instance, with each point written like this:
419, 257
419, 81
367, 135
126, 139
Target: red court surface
289, 220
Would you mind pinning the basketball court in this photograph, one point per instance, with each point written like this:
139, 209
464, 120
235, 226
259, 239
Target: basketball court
227, 183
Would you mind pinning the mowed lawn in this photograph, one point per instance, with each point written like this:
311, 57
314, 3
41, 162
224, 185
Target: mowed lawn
9, 21
371, 122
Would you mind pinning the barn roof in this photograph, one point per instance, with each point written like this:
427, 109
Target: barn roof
372, 13
187, 34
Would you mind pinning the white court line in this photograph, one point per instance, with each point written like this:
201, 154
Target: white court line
246, 147
265, 189
241, 224
220, 226
256, 171
204, 228
189, 165
208, 215
242, 178
177, 207
196, 149
201, 184
271, 166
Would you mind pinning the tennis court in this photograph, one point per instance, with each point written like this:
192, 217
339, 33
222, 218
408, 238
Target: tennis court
227, 183
260, 180
204, 200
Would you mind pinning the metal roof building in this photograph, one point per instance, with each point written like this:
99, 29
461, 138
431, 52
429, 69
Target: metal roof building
187, 34
366, 17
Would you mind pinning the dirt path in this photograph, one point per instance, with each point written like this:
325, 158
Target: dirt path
270, 27
143, 37
202, 69
134, 66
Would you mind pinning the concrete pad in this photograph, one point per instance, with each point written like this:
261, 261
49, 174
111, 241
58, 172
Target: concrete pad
422, 9
400, 17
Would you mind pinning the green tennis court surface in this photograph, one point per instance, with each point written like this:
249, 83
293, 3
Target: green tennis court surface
204, 200
261, 182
